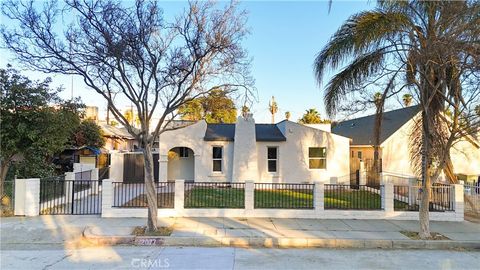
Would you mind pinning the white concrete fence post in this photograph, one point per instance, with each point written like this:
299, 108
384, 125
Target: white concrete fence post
179, 196
249, 196
107, 197
27, 197
362, 174
319, 197
69, 176
459, 204
387, 198
94, 177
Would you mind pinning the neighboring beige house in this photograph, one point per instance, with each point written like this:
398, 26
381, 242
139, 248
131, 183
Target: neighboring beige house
116, 139
278, 153
394, 144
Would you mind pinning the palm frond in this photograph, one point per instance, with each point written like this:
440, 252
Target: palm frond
350, 77
361, 33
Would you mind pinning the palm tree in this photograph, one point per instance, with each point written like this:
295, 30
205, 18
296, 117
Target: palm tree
311, 116
407, 100
418, 43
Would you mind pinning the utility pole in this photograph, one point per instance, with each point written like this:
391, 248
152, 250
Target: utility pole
273, 107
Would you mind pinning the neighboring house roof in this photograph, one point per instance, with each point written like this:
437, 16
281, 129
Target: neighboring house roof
226, 132
361, 130
111, 131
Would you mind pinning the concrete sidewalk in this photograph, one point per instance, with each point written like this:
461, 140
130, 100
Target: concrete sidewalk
239, 232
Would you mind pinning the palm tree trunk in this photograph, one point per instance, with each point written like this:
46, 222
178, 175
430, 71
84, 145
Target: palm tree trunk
150, 189
424, 216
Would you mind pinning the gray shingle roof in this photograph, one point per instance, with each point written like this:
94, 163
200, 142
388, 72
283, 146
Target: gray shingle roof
268, 133
361, 130
220, 132
226, 132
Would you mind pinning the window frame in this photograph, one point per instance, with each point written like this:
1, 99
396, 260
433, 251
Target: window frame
185, 150
359, 155
217, 159
317, 158
273, 159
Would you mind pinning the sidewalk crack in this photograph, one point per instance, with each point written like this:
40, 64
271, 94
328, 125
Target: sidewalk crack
58, 261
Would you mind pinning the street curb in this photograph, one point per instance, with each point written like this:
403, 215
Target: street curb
281, 242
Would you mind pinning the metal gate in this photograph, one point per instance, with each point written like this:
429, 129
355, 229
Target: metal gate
70, 197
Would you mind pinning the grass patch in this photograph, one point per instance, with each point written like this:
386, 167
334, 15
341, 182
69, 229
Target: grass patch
200, 197
416, 236
352, 199
161, 231
284, 198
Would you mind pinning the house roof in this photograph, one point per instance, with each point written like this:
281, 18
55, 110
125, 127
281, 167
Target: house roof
226, 132
111, 131
220, 132
361, 130
268, 133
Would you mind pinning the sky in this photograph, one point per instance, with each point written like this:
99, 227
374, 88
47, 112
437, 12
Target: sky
284, 40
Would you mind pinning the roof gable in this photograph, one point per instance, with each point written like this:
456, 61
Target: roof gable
361, 130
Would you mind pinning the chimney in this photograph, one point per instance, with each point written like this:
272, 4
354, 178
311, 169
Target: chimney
245, 165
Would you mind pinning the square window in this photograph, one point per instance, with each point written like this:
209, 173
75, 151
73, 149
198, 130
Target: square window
272, 157
272, 166
217, 165
317, 157
217, 155
272, 153
317, 152
217, 152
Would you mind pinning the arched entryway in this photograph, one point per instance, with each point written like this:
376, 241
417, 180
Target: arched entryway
181, 164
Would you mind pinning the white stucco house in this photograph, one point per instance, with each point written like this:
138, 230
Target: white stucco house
285, 152
397, 126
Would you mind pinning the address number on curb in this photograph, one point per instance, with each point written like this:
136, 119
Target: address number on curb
149, 241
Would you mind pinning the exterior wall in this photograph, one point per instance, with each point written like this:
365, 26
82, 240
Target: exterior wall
88, 160
249, 162
466, 158
116, 167
192, 137
396, 151
396, 154
293, 158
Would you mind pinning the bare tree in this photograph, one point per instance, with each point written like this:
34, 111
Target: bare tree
133, 54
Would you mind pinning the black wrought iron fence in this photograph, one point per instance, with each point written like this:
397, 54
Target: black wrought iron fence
286, 196
214, 195
352, 197
407, 198
52, 187
472, 199
134, 195
69, 197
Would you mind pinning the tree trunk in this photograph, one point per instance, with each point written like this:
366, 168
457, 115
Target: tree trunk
424, 216
150, 189
5, 165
